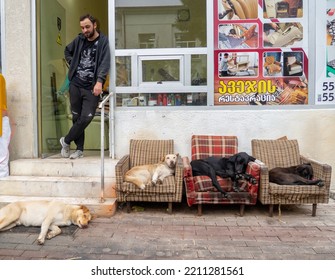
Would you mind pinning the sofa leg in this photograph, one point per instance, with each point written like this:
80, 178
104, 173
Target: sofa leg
199, 209
128, 207
271, 210
242, 206
169, 208
314, 210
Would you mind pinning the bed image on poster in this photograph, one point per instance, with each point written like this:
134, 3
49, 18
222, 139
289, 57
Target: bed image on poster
260, 52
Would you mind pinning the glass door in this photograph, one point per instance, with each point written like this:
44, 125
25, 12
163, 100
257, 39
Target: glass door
58, 25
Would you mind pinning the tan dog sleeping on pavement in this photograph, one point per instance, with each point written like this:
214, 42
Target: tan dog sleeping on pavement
150, 174
47, 214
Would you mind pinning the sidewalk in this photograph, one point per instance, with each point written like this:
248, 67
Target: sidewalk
219, 234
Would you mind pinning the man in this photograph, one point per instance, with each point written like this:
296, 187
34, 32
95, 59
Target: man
224, 65
5, 130
89, 58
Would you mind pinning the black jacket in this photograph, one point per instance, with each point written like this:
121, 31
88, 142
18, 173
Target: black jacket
72, 55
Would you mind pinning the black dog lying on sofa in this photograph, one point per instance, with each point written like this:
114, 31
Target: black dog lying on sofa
295, 175
233, 167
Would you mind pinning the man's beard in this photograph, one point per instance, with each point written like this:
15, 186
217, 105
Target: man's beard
89, 35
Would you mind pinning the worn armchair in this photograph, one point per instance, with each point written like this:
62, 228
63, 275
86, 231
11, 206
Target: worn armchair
285, 153
149, 152
200, 190
272, 66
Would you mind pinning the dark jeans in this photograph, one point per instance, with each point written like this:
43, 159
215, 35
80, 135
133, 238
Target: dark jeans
83, 107
224, 73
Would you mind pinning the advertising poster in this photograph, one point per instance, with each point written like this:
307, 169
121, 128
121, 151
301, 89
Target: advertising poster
325, 53
260, 52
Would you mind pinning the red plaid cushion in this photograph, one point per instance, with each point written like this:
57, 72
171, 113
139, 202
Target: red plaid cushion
204, 183
204, 146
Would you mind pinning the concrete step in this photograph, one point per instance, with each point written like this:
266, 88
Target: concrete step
73, 181
56, 166
56, 186
106, 208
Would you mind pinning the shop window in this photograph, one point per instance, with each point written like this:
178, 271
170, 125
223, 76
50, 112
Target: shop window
160, 26
147, 41
198, 70
182, 41
161, 99
161, 53
161, 70
123, 71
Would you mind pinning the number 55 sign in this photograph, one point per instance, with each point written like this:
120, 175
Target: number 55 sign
325, 53
327, 96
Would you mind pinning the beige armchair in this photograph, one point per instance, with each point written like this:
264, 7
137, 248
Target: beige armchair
285, 153
149, 152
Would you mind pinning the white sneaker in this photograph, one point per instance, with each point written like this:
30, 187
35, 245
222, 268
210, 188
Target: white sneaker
77, 154
65, 152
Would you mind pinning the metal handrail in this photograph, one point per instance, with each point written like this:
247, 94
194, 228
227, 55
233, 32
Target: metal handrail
102, 147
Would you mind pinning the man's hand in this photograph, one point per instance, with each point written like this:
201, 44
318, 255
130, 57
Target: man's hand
97, 90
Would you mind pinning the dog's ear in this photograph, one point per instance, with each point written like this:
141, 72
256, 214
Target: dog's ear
177, 155
163, 158
85, 209
251, 158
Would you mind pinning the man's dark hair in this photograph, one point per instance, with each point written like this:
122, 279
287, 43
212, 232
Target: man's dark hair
90, 17
232, 31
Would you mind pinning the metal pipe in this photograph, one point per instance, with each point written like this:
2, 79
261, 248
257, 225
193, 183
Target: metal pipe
102, 147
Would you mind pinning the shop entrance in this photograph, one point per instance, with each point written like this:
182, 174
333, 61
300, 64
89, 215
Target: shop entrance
58, 24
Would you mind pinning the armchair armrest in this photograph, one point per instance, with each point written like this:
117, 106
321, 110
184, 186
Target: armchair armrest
188, 177
263, 179
121, 168
321, 170
187, 167
179, 173
254, 169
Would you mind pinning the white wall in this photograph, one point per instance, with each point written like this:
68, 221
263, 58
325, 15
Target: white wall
18, 75
313, 128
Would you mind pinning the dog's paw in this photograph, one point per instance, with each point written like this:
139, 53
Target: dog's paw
153, 184
142, 187
239, 176
40, 241
320, 184
50, 235
253, 181
226, 195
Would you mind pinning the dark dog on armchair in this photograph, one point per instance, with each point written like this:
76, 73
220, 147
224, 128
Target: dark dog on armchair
294, 175
233, 167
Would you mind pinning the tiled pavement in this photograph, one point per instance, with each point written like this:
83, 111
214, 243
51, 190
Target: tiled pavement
219, 234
